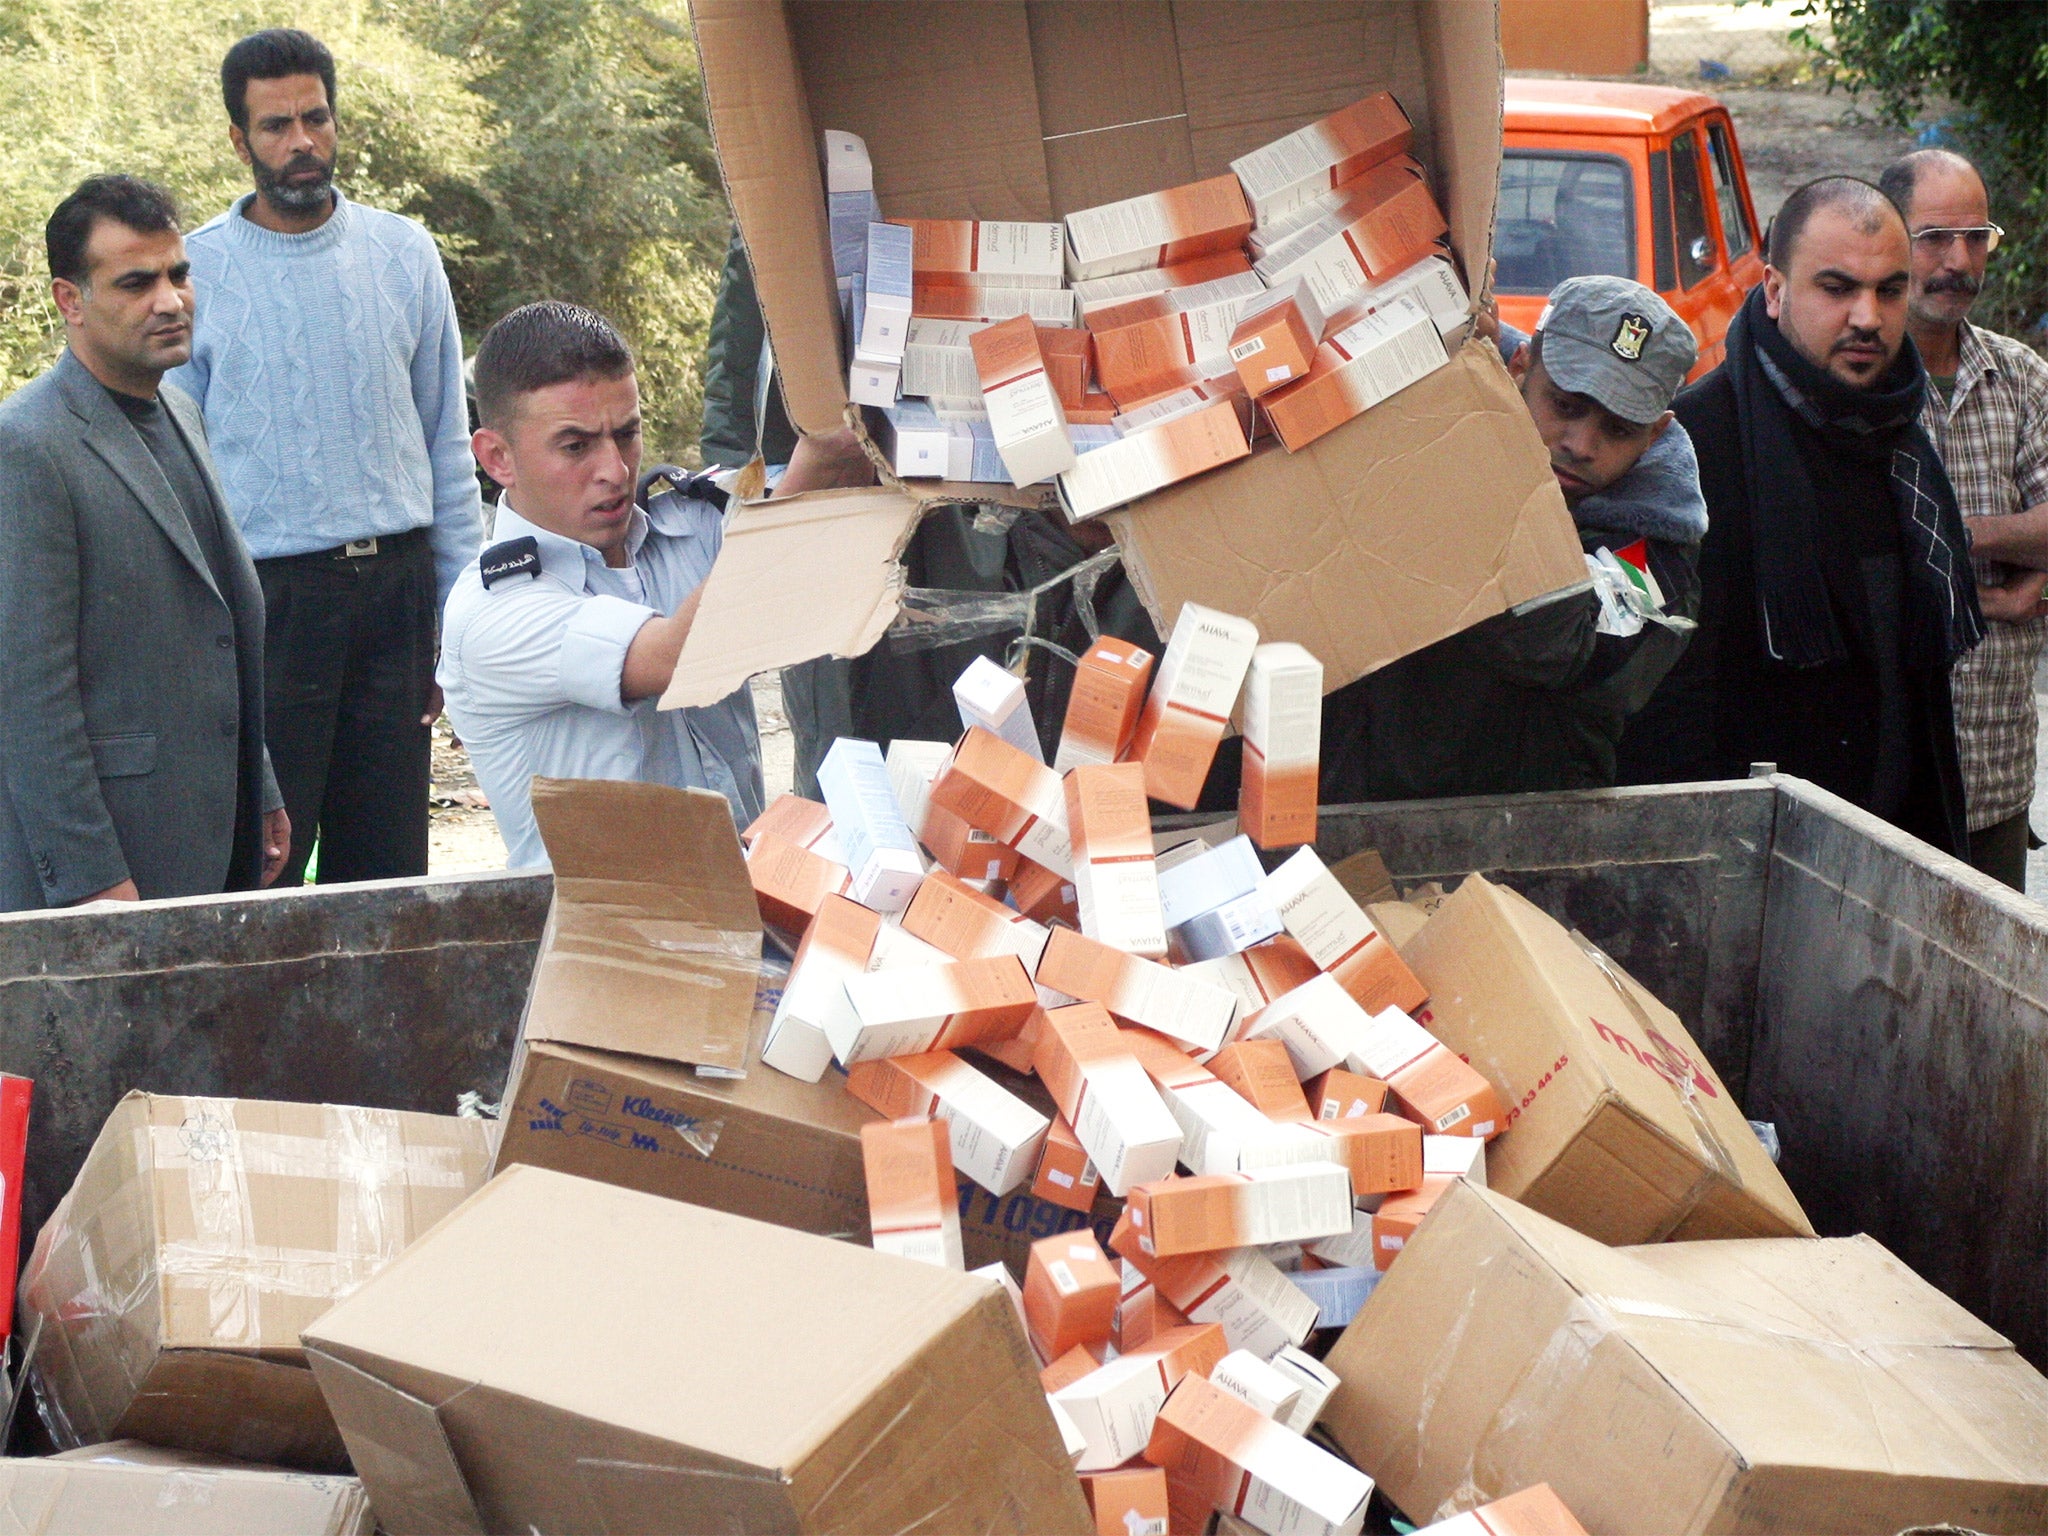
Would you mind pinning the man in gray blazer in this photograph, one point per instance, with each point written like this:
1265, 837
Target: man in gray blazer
132, 762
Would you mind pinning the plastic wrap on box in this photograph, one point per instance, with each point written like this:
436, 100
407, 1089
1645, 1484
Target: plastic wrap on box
199, 1238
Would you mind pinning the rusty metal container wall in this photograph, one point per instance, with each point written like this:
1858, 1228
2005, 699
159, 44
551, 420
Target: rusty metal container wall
1887, 1007
398, 994
1902, 1048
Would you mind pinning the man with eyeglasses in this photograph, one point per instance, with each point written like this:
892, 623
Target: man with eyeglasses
1987, 412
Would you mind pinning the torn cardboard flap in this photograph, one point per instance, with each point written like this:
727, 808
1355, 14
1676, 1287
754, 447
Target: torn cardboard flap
1433, 511
653, 940
810, 575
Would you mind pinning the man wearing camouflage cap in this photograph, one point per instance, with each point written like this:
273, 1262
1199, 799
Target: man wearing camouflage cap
1536, 700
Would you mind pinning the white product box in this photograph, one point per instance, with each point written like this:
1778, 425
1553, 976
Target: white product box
881, 852
988, 696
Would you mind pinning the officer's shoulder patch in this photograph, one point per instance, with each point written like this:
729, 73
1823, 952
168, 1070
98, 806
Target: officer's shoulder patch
514, 557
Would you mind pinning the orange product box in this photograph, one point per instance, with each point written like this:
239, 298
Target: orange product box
1141, 1312
1241, 1291
1070, 1293
1009, 795
997, 251
1373, 228
794, 819
1283, 735
996, 1137
1137, 990
1535, 1511
1383, 223
1066, 1175
1102, 709
1277, 336
1114, 1405
1114, 879
990, 299
1144, 347
1258, 975
1356, 368
1399, 1215
1192, 696
1338, 935
1024, 414
1099, 292
951, 915
1211, 1213
1382, 1152
1069, 354
835, 946
1433, 1083
1318, 1023
1130, 1501
1291, 171
1263, 1076
1045, 896
1106, 1096
1096, 409
905, 1010
1241, 1462
1068, 1368
789, 882
1157, 410
913, 1203
1157, 229
1339, 1094
965, 851
1220, 1131
1140, 463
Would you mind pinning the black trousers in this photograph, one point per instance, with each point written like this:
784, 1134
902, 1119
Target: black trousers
348, 659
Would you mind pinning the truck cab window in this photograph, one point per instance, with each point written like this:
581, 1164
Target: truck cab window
1734, 222
1696, 254
1563, 214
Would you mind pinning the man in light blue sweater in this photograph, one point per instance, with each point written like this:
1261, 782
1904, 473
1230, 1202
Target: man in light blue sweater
328, 363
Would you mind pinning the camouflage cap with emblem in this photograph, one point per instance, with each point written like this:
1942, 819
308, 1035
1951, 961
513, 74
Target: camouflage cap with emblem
1617, 342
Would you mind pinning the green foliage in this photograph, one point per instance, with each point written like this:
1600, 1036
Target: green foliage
1991, 61
556, 148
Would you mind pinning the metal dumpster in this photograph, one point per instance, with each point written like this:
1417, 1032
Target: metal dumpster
1885, 1005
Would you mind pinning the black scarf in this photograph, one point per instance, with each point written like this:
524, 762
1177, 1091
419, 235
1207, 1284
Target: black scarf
1773, 382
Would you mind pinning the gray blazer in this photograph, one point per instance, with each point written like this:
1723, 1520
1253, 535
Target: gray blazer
131, 717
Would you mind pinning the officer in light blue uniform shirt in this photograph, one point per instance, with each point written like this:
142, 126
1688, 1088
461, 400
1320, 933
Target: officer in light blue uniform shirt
558, 642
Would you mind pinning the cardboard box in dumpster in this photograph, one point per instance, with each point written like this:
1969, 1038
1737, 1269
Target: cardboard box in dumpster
653, 940
200, 1236
144, 1490
764, 1145
1773, 1385
1427, 514
1617, 1125
563, 1355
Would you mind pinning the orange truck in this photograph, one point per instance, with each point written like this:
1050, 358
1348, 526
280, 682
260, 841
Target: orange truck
1631, 181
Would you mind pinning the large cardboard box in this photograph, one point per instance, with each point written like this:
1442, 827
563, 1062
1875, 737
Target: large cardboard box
561, 1355
1617, 1124
199, 1238
1427, 514
1773, 1385
143, 1490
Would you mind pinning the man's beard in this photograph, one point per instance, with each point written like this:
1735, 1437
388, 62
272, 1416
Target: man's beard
295, 197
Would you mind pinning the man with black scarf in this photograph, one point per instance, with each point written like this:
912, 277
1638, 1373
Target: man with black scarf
1836, 587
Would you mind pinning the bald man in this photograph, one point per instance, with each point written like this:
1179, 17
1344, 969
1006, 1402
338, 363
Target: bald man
1835, 583
1987, 412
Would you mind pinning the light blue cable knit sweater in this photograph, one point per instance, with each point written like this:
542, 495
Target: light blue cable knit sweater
329, 366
